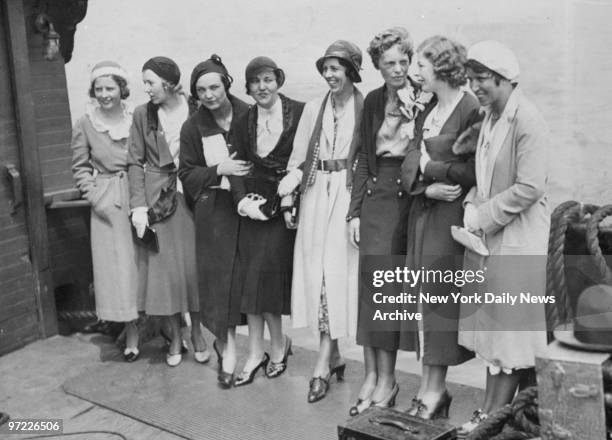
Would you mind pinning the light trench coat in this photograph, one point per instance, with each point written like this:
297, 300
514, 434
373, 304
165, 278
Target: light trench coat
323, 252
514, 216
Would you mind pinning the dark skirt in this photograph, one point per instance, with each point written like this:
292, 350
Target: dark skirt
217, 226
384, 215
264, 266
431, 246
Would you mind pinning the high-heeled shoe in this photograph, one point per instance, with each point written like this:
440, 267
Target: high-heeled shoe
168, 339
246, 377
200, 357
275, 369
414, 406
389, 401
173, 359
225, 379
319, 386
360, 406
439, 409
131, 354
477, 418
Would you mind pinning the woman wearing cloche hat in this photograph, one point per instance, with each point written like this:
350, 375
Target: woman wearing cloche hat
264, 137
325, 264
158, 204
207, 160
99, 166
508, 209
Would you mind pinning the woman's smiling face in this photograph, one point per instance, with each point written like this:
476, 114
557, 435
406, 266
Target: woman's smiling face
335, 75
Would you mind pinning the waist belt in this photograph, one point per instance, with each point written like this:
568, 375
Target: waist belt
332, 165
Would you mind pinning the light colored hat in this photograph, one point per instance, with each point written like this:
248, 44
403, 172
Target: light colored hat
107, 68
496, 57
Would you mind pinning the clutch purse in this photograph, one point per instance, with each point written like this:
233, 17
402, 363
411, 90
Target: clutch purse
148, 240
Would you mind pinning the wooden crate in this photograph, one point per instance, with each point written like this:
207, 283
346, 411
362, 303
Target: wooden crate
571, 394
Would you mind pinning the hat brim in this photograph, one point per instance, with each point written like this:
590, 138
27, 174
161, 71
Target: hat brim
564, 333
321, 60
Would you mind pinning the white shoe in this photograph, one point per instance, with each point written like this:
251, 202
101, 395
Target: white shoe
201, 357
173, 359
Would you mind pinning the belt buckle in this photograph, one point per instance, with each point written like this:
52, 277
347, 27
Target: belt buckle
322, 167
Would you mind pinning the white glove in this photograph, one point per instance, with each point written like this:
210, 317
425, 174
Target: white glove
243, 204
252, 208
140, 220
289, 183
470, 218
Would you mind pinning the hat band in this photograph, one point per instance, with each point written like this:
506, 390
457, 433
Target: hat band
108, 70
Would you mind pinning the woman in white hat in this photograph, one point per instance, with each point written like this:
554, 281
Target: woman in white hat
99, 166
508, 209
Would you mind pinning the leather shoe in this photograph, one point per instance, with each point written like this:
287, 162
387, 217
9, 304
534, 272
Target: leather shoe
225, 379
131, 354
275, 369
439, 409
389, 401
246, 377
173, 359
360, 406
318, 388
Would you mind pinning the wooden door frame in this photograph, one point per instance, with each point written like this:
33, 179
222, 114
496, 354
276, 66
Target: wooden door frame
36, 216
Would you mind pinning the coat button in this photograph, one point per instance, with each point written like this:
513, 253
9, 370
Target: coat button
374, 179
369, 192
399, 181
400, 193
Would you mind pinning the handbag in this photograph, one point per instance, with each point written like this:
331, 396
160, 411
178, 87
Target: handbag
166, 204
148, 240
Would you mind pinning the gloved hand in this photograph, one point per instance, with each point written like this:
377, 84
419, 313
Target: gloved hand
140, 220
252, 209
289, 183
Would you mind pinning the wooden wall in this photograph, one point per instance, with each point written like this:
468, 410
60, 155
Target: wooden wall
67, 241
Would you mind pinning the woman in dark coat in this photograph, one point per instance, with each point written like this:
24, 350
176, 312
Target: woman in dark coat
438, 176
379, 208
206, 159
264, 137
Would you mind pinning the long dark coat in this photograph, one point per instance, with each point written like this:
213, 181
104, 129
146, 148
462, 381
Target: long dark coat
265, 248
216, 220
430, 244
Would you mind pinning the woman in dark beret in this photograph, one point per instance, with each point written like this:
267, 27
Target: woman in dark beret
158, 204
207, 159
264, 137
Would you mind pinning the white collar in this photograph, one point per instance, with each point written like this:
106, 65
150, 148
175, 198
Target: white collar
276, 109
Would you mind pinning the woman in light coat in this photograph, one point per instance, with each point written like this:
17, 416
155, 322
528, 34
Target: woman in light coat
508, 208
324, 289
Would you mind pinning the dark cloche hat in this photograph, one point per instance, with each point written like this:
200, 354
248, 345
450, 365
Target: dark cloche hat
346, 51
258, 64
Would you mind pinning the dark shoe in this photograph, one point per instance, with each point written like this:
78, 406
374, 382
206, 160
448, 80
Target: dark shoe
275, 369
414, 406
4, 417
226, 380
389, 401
318, 388
338, 370
246, 377
131, 354
440, 409
477, 418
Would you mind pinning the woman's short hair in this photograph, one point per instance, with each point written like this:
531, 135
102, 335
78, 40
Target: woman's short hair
389, 38
447, 57
278, 74
479, 68
351, 73
124, 91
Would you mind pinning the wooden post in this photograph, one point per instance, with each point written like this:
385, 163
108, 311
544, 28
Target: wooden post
36, 218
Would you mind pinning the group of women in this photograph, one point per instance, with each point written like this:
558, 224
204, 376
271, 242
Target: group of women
219, 183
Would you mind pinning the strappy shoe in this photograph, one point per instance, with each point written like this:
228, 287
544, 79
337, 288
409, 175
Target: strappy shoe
389, 401
414, 406
319, 386
130, 354
275, 369
477, 418
439, 409
246, 377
